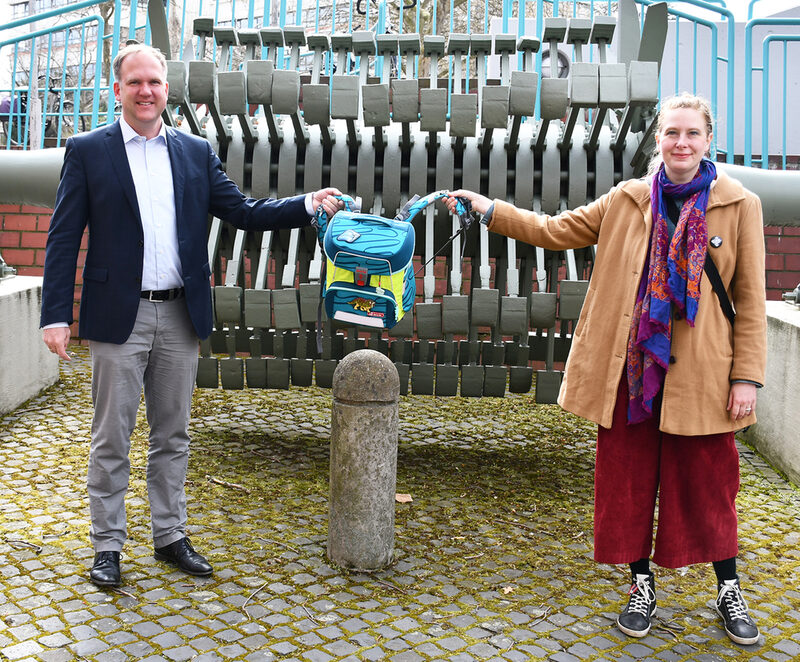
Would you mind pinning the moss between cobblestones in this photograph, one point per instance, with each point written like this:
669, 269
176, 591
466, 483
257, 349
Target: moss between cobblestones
495, 548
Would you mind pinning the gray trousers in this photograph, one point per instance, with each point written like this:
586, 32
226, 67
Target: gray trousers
161, 357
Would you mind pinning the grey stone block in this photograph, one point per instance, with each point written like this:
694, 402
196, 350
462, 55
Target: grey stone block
554, 98
642, 82
375, 99
433, 109
613, 85
344, 97
259, 80
522, 96
584, 85
177, 79
405, 100
202, 82
316, 104
232, 90
495, 107
463, 115
285, 91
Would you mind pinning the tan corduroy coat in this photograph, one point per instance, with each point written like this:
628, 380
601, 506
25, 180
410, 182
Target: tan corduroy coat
705, 358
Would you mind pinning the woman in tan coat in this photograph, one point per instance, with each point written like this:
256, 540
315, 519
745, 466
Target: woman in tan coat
655, 361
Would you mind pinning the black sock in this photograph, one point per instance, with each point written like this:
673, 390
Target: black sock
725, 570
640, 567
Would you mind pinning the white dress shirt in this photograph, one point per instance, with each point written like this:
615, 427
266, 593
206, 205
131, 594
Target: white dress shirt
152, 177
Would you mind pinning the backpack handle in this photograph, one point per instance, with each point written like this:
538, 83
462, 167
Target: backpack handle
320, 218
417, 204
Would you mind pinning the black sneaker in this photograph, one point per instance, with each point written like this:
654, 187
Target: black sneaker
635, 618
731, 605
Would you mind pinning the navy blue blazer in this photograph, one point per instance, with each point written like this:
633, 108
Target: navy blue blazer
97, 190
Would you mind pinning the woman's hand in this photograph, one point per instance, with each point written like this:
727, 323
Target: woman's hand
480, 203
741, 400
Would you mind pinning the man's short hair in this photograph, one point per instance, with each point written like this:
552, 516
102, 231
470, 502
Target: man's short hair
138, 48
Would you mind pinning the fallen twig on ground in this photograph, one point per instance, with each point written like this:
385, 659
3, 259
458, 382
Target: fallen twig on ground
23, 543
309, 614
225, 483
513, 523
390, 585
280, 544
543, 617
249, 597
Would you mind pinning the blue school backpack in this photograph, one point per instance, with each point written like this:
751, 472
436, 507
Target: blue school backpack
368, 278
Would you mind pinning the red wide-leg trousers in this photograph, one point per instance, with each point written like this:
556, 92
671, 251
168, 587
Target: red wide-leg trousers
696, 480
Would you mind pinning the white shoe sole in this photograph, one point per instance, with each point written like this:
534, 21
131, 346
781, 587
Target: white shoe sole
742, 641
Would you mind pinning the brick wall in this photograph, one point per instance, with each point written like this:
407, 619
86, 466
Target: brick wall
23, 236
23, 233
783, 259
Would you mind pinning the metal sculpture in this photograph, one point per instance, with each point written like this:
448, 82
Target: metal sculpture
490, 309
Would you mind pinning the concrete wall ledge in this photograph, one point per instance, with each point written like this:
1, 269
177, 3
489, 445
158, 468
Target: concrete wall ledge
26, 365
777, 434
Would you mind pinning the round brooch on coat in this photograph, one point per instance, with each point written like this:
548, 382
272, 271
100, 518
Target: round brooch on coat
716, 241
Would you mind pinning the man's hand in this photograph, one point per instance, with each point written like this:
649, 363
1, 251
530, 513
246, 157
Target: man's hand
480, 203
56, 340
325, 197
741, 400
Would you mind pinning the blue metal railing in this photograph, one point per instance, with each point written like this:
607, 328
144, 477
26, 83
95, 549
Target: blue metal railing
77, 101
750, 68
69, 102
713, 58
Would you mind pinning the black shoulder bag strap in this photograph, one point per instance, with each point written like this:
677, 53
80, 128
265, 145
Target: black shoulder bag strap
673, 210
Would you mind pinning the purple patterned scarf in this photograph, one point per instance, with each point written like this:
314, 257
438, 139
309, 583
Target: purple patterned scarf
671, 275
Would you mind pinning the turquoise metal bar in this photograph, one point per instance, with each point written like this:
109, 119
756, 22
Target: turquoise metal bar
385, 18
731, 36
132, 22
183, 22
748, 77
147, 36
677, 59
83, 4
750, 6
768, 41
49, 14
785, 97
98, 70
49, 32
714, 54
115, 41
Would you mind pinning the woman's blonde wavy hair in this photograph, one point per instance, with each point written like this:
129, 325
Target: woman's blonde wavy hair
683, 100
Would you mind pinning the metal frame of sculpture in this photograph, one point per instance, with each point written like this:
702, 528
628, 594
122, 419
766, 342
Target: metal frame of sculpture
491, 308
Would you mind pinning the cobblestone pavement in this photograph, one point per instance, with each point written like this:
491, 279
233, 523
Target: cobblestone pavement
493, 556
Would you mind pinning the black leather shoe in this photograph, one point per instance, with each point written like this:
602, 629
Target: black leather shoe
182, 554
105, 569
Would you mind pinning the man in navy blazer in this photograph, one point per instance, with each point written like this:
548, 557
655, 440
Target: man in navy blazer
145, 191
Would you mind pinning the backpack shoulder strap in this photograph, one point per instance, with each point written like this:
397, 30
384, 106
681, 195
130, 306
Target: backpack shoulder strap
716, 282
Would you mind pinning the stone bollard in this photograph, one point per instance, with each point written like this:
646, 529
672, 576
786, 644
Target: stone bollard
366, 390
